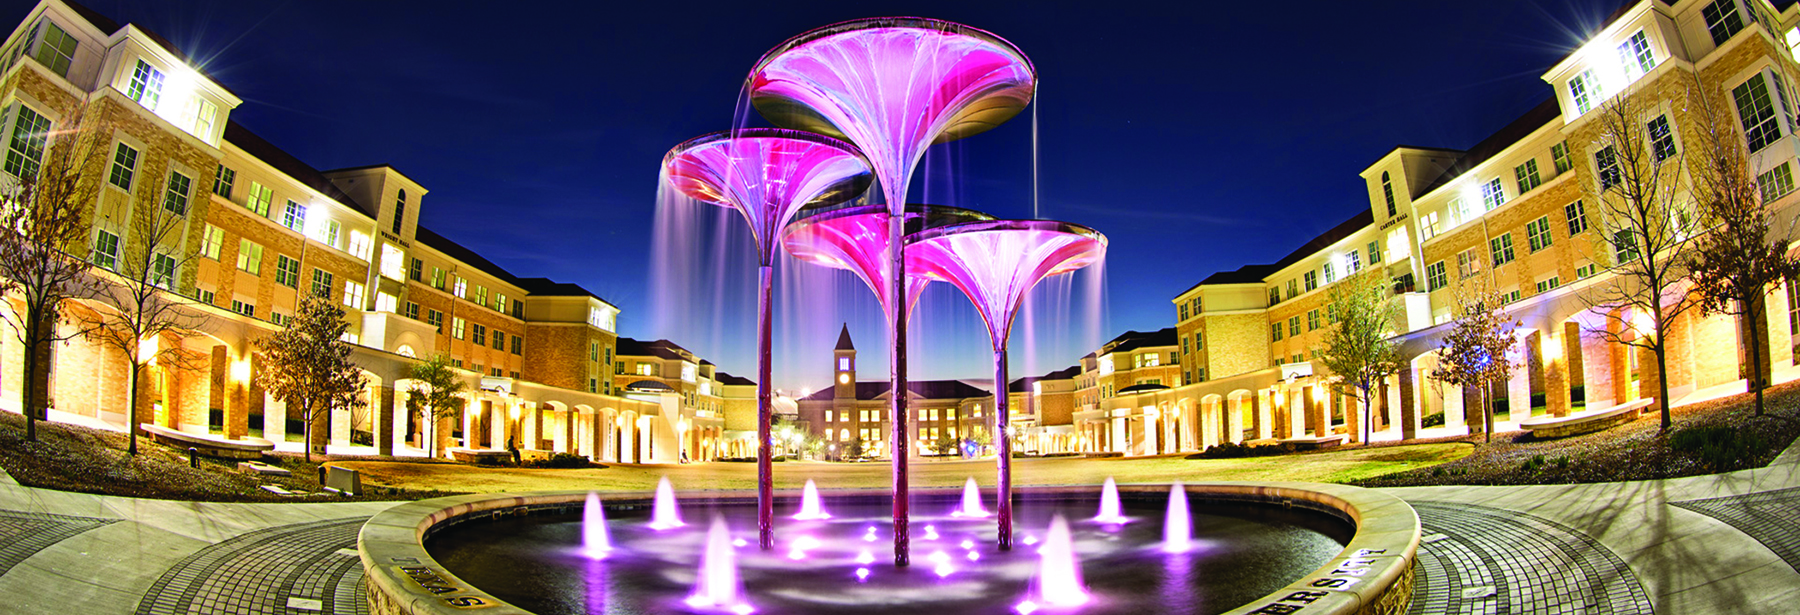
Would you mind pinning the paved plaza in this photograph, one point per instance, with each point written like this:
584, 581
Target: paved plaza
1727, 543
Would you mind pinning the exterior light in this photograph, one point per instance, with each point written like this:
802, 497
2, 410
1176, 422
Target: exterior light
515, 412
240, 370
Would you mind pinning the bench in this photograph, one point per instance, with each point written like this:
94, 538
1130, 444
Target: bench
1309, 443
480, 455
1586, 421
209, 445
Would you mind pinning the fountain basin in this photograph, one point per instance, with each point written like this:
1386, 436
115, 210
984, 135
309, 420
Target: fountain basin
1370, 574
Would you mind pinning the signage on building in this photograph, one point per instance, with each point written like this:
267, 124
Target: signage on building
1292, 371
1393, 221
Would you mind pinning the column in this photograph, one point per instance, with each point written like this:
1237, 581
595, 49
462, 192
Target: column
1648, 377
528, 426
1407, 404
1618, 361
275, 421
231, 375
390, 421
340, 426
1518, 380
559, 433
1353, 417
1234, 419
1557, 354
1777, 332
1319, 412
1263, 407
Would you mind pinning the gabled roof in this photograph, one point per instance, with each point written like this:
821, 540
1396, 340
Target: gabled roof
1133, 340
730, 380
110, 27
261, 149
844, 339
1024, 384
1534, 119
664, 349
923, 389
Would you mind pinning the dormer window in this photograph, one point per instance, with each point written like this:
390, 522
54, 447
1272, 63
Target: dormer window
1584, 89
56, 51
1722, 20
146, 85
1636, 55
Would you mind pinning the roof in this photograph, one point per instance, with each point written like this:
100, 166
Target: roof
286, 163
546, 287
1534, 119
730, 380
924, 389
1255, 273
1020, 385
664, 349
648, 386
366, 167
844, 339
466, 256
1133, 340
1143, 388
110, 27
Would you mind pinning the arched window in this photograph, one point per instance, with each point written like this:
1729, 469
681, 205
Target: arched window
400, 211
1387, 190
406, 351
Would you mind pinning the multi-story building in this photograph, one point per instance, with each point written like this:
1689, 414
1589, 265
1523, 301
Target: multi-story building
258, 231
852, 411
1129, 366
1521, 213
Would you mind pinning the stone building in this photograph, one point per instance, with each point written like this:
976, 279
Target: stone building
259, 230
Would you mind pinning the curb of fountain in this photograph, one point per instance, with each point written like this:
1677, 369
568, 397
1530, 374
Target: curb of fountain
1371, 576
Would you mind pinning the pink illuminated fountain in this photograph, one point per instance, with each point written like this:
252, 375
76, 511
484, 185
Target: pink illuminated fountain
971, 502
1178, 525
1058, 584
717, 588
893, 86
665, 513
1110, 511
595, 543
856, 238
811, 509
767, 175
995, 263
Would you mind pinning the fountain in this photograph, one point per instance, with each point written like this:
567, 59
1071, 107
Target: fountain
594, 541
668, 513
1058, 583
717, 588
1178, 525
1109, 504
971, 502
856, 238
995, 263
893, 86
767, 175
810, 508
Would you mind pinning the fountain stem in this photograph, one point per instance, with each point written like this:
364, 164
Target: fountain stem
765, 469
1003, 443
898, 412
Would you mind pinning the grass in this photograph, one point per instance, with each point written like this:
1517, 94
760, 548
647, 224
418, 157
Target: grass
1329, 466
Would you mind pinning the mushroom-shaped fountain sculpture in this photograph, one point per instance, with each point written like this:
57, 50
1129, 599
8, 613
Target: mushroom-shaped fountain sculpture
856, 238
893, 86
996, 263
768, 175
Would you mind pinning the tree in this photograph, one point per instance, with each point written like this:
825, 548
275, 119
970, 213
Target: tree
854, 448
42, 219
1645, 231
945, 444
437, 395
1735, 264
147, 321
1473, 353
307, 365
1358, 349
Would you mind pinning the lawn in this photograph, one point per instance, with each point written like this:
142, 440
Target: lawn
1332, 466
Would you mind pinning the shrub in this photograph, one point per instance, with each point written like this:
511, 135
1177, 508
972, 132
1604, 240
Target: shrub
1435, 419
1231, 450
561, 461
1719, 447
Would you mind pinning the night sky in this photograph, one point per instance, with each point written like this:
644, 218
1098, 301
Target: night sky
1198, 136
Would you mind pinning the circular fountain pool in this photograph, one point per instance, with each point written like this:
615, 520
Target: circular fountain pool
1248, 546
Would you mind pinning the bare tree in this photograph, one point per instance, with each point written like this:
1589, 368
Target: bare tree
43, 218
1474, 352
147, 320
437, 396
1736, 264
308, 365
1646, 231
1359, 349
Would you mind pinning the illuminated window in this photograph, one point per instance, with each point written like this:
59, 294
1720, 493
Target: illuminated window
249, 257
1330, 273
1501, 249
500, 302
1756, 112
1776, 183
146, 85
480, 295
687, 372
1577, 218
353, 294
321, 284
211, 241
1491, 194
1584, 89
106, 250
1293, 288
1635, 54
202, 119
1662, 140
287, 271
457, 326
1387, 190
25, 150
1428, 224
294, 217
1537, 233
1106, 365
437, 278
386, 303
1606, 162
393, 262
57, 49
124, 166
461, 288
361, 246
1434, 276
259, 199
843, 364
1353, 262
1467, 264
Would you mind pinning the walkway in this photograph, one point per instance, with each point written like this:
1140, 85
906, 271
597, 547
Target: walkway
1728, 543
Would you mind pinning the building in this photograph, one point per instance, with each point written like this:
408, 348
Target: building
856, 412
257, 230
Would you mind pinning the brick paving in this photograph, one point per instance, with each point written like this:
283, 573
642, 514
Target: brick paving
283, 570
23, 534
1771, 517
1476, 560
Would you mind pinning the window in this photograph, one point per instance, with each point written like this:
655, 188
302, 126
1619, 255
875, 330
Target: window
480, 335
1293, 289
175, 197
392, 262
1275, 332
241, 307
287, 271
294, 217
360, 246
399, 212
146, 85
202, 119
1491, 194
162, 270
1312, 320
1624, 246
259, 199
1184, 311
593, 351
1374, 251
1607, 163
1353, 262
1387, 190
1559, 156
499, 340
1312, 280
327, 233
462, 288
518, 345
1577, 218
1528, 176
412, 310
385, 302
223, 180
1186, 348
436, 320
353, 294
1428, 225
283, 319
1434, 276
1501, 249
106, 250
57, 51
437, 278
1722, 20
124, 166
1330, 275
25, 150
1662, 140
416, 271
205, 296
1511, 296
1547, 285
1294, 326
1635, 54
1756, 112
457, 325
1776, 183
1274, 295
211, 240
321, 284
1584, 89
1537, 233
249, 256
1467, 264
1587, 270
480, 296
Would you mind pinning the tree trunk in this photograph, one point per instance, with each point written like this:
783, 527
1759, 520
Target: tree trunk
1755, 382
1487, 411
131, 406
305, 413
31, 390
